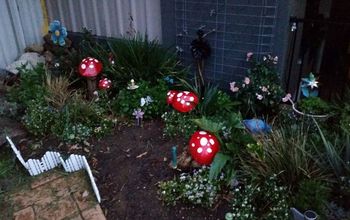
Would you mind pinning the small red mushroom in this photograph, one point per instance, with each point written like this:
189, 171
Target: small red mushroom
185, 101
170, 96
203, 147
90, 68
104, 84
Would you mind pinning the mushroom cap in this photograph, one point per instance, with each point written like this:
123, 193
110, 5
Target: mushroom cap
104, 84
90, 67
170, 96
185, 101
203, 147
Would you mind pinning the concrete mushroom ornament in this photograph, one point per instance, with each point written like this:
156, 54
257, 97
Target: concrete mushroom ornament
203, 147
170, 96
184, 101
104, 84
90, 68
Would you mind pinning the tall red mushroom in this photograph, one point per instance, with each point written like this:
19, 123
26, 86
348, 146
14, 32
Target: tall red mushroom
185, 101
203, 147
90, 68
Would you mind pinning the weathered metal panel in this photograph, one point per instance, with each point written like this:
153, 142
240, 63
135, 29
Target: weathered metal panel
110, 18
21, 22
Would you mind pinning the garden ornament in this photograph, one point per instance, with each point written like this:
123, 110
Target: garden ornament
169, 80
185, 101
58, 33
138, 115
90, 68
257, 126
104, 84
170, 96
132, 85
203, 147
309, 86
200, 50
308, 215
174, 157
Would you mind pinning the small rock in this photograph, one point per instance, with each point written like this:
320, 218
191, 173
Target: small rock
85, 194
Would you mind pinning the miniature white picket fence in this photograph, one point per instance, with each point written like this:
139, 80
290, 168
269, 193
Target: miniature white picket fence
53, 159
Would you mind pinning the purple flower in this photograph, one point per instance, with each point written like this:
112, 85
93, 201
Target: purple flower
138, 113
246, 80
287, 97
259, 97
233, 87
249, 56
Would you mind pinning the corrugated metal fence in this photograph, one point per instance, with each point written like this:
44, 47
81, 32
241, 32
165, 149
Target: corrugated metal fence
21, 23
110, 18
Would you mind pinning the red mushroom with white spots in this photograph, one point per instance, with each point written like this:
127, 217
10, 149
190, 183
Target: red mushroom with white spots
90, 68
203, 147
170, 96
185, 101
104, 84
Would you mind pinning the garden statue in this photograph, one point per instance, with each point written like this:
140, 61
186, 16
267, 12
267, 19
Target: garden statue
104, 84
58, 33
257, 126
90, 68
132, 85
309, 86
170, 96
203, 147
200, 50
138, 115
185, 101
308, 215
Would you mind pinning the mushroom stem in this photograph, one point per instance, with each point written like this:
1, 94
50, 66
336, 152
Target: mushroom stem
91, 86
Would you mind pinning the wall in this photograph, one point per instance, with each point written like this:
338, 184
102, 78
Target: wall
240, 26
22, 23
109, 18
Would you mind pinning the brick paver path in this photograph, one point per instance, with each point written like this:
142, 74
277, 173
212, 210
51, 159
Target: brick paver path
56, 195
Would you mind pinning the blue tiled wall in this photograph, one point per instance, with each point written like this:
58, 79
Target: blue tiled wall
240, 26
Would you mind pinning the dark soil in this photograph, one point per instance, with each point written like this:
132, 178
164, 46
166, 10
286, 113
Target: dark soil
128, 184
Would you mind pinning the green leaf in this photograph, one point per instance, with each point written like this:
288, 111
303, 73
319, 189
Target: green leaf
208, 125
218, 164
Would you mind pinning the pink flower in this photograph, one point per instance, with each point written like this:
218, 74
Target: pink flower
264, 89
287, 97
259, 97
233, 87
246, 80
249, 56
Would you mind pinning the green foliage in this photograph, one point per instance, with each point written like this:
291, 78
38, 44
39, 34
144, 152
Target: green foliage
10, 109
264, 201
138, 58
311, 195
196, 189
231, 135
314, 105
79, 120
178, 124
287, 150
129, 100
260, 93
31, 87
39, 117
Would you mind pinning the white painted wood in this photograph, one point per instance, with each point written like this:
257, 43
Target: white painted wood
53, 159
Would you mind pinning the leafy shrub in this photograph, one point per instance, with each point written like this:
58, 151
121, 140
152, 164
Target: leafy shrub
260, 93
287, 150
311, 195
265, 201
232, 136
32, 86
10, 109
129, 100
39, 118
79, 120
314, 105
137, 58
178, 124
196, 189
